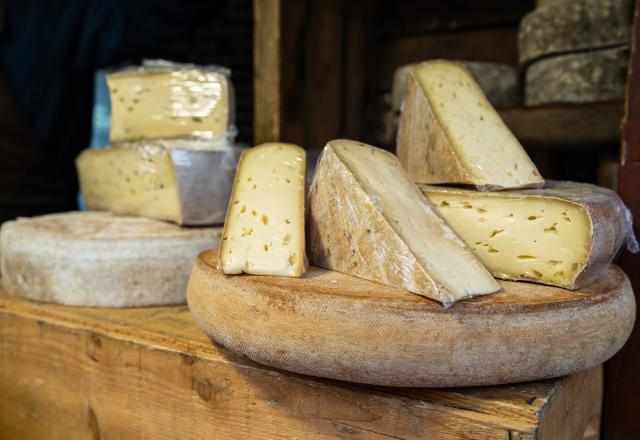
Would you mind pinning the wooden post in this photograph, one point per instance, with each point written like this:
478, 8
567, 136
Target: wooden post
267, 63
621, 404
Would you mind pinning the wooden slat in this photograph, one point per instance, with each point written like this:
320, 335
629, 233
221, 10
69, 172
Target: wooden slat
149, 372
621, 406
267, 62
567, 127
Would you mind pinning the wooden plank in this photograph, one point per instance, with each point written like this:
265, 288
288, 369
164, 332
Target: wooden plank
567, 127
621, 405
71, 372
267, 63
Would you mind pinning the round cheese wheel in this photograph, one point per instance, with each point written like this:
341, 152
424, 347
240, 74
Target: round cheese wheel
96, 258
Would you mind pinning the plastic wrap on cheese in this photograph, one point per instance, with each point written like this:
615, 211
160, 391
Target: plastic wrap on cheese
161, 99
165, 179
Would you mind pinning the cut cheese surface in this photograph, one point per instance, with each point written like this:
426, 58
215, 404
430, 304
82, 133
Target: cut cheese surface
264, 228
149, 180
450, 133
367, 219
169, 101
564, 235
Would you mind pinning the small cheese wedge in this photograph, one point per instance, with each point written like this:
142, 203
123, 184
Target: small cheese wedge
161, 180
165, 100
367, 219
563, 235
450, 133
264, 228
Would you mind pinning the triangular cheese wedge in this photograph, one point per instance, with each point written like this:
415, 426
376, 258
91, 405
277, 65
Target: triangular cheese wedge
450, 133
264, 229
367, 219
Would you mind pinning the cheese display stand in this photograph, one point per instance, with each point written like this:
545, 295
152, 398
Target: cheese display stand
76, 373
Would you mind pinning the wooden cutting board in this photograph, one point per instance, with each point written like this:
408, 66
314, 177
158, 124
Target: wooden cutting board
332, 325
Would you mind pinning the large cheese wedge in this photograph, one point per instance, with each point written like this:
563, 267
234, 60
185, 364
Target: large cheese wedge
162, 180
165, 100
264, 227
367, 219
564, 235
450, 133
100, 259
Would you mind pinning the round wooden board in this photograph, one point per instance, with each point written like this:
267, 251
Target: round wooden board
332, 325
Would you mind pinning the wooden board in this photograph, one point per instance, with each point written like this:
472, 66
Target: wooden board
78, 373
332, 325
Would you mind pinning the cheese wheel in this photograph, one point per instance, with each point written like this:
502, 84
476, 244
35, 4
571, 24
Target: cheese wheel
100, 259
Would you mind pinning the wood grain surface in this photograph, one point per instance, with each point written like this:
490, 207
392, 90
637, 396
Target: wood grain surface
332, 325
82, 373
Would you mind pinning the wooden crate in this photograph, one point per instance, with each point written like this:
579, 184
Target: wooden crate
70, 372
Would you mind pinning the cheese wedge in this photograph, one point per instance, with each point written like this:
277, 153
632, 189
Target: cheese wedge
182, 185
264, 227
166, 100
450, 133
367, 219
99, 259
563, 235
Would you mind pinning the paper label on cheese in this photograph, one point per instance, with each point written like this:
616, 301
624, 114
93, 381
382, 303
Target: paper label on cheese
264, 228
367, 219
450, 133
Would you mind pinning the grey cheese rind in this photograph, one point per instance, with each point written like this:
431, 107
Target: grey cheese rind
594, 76
574, 25
98, 259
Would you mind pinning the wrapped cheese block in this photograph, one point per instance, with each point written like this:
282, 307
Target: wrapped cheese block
161, 99
565, 234
183, 181
450, 133
367, 219
568, 26
100, 259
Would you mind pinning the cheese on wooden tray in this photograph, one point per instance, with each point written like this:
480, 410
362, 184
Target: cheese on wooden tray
100, 259
563, 235
450, 133
367, 219
159, 180
264, 227
164, 100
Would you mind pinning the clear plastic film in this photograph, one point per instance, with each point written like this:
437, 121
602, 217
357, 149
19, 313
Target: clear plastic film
537, 239
180, 180
162, 99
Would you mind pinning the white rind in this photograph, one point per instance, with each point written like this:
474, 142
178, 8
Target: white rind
99, 259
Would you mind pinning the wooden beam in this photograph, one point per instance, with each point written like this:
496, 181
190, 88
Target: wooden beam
622, 387
267, 63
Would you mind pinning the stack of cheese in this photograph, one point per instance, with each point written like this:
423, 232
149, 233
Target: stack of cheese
575, 51
170, 166
366, 217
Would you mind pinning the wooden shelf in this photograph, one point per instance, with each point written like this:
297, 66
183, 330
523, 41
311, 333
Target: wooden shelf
71, 372
568, 126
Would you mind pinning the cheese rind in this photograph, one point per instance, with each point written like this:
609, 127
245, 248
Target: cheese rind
593, 76
166, 100
99, 259
565, 234
571, 26
264, 228
186, 186
450, 133
367, 219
